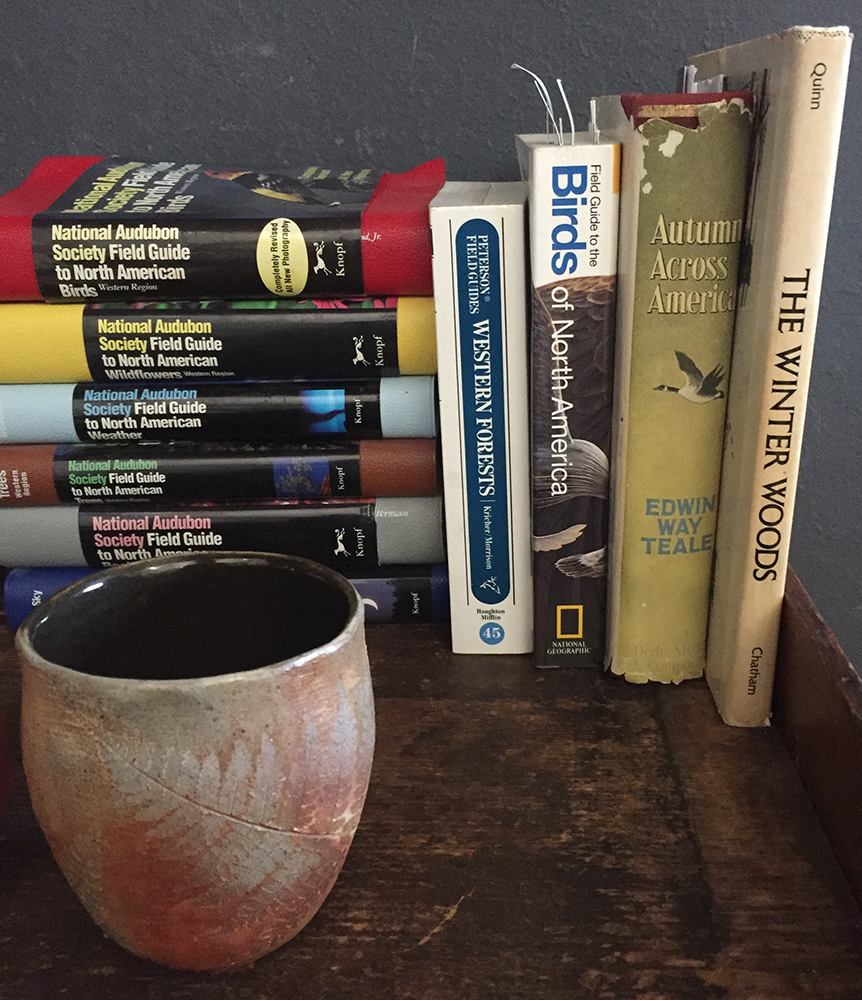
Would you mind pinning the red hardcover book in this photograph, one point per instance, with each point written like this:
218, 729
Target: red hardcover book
84, 228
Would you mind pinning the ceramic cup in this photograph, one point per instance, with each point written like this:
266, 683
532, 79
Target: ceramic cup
197, 737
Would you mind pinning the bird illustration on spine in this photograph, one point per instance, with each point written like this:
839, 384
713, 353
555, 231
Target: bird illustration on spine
573, 370
565, 467
588, 476
698, 388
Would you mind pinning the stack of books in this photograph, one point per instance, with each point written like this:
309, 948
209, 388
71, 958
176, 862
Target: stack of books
623, 345
198, 359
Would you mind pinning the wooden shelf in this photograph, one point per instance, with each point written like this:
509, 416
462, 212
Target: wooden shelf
541, 834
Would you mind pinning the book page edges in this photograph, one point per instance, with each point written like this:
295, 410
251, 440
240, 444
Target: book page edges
615, 126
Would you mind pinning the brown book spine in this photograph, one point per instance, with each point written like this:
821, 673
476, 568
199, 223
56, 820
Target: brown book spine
47, 474
27, 475
399, 467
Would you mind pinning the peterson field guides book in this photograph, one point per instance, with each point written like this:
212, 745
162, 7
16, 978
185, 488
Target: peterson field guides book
681, 210
798, 78
480, 301
574, 216
82, 228
270, 338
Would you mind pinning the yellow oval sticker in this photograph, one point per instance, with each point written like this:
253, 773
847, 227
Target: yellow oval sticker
282, 257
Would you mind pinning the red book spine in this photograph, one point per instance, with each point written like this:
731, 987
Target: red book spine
27, 475
396, 232
48, 180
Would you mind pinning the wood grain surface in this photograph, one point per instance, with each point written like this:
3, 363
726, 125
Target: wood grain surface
527, 834
818, 705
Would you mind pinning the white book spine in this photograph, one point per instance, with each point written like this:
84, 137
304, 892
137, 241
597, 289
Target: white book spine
480, 293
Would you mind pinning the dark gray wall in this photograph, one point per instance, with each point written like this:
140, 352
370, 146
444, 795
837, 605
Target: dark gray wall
254, 83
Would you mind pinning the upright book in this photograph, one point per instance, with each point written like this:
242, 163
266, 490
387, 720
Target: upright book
682, 201
799, 78
480, 300
85, 228
269, 338
574, 216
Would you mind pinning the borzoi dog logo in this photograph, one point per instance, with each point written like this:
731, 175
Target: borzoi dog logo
359, 358
340, 548
321, 263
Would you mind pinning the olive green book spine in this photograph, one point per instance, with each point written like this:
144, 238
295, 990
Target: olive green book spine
681, 219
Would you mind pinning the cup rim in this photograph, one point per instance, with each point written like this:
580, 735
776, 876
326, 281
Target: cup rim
354, 621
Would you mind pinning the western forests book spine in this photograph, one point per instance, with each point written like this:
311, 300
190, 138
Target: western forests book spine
37, 474
574, 218
682, 200
396, 594
87, 228
344, 534
478, 232
799, 79
271, 338
403, 407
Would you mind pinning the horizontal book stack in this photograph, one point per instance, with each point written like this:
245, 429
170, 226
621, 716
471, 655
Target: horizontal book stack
250, 367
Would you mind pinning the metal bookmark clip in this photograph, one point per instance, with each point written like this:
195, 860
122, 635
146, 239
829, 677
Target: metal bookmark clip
552, 123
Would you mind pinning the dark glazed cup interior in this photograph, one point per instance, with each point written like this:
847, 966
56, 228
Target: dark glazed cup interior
202, 615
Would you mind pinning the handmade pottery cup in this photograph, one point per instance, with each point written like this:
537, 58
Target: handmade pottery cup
197, 736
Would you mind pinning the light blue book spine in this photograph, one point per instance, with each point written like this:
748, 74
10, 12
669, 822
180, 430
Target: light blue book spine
31, 414
400, 407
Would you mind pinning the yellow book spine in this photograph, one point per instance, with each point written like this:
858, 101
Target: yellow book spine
417, 336
42, 343
46, 343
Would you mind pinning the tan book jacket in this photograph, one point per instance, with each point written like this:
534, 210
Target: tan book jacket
798, 77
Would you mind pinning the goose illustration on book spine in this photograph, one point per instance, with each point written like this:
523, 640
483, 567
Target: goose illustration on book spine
698, 388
